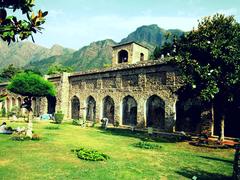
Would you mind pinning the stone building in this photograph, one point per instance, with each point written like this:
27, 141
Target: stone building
135, 91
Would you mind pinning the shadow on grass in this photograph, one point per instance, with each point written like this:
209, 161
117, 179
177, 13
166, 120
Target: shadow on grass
141, 135
202, 175
217, 159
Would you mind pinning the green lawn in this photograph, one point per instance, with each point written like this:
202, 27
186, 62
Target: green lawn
51, 157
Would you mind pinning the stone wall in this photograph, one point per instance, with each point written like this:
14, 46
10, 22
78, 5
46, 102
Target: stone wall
140, 81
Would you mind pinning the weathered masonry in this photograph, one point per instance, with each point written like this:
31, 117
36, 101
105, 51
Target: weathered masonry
134, 92
139, 94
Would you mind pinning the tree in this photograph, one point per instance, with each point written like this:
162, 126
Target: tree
58, 68
12, 29
8, 73
30, 85
209, 59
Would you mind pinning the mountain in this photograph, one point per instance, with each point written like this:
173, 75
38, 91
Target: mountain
95, 55
22, 53
152, 36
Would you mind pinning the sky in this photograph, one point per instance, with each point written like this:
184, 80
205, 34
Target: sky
77, 23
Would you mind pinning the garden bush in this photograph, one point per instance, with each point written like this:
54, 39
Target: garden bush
90, 155
59, 117
147, 145
52, 127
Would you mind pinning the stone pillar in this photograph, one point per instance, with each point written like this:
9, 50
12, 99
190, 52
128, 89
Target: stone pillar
98, 109
117, 110
43, 106
63, 94
141, 114
170, 116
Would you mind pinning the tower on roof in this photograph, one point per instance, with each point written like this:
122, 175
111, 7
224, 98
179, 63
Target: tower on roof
129, 53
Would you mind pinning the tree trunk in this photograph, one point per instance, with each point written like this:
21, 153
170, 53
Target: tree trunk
212, 125
222, 128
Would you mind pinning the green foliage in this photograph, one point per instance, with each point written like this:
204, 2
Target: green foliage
59, 117
90, 155
11, 28
30, 84
209, 59
57, 69
52, 127
76, 122
8, 73
116, 124
4, 112
147, 145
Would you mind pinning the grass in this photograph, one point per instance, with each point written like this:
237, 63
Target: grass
51, 157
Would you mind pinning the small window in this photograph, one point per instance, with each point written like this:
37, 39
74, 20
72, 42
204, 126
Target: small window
141, 57
122, 56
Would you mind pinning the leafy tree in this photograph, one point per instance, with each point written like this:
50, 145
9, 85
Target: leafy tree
30, 85
58, 68
8, 73
209, 59
11, 28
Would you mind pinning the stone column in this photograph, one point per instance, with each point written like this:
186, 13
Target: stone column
141, 114
170, 115
63, 94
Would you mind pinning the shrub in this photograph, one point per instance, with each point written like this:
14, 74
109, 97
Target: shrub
59, 117
147, 145
52, 127
116, 123
90, 155
76, 122
4, 112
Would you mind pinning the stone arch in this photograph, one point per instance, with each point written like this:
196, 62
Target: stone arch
52, 101
91, 109
188, 116
122, 56
108, 109
141, 57
129, 111
75, 106
155, 108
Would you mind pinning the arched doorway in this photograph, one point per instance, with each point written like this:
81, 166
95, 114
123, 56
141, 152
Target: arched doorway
129, 111
51, 104
19, 100
108, 109
122, 56
75, 104
8, 105
188, 116
91, 109
141, 57
155, 112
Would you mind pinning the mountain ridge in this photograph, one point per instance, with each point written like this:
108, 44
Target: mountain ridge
95, 55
